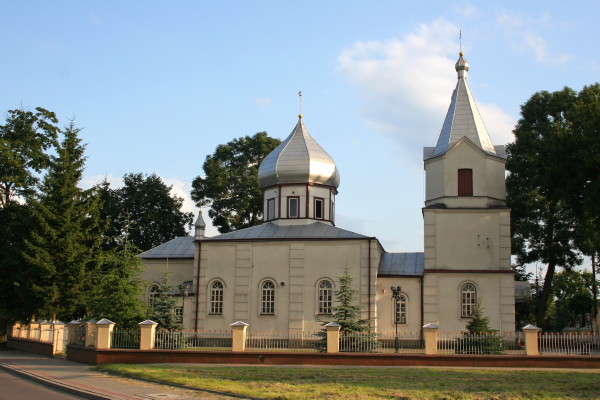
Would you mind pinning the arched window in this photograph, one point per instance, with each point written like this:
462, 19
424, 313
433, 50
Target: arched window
216, 298
152, 295
400, 312
325, 297
267, 296
468, 295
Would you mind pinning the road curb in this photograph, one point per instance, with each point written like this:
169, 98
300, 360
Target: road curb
60, 386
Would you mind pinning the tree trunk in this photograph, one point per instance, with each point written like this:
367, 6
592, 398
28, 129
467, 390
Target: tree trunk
542, 303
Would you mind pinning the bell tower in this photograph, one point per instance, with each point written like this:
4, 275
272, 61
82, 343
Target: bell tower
466, 221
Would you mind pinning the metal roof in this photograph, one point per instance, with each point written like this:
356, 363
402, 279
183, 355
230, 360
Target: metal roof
411, 264
463, 119
270, 230
180, 247
298, 159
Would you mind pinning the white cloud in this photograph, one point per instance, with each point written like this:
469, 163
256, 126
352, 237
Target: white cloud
408, 82
263, 102
523, 36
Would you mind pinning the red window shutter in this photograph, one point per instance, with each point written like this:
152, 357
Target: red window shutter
465, 182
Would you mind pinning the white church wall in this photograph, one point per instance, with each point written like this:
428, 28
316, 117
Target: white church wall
467, 239
442, 291
294, 266
411, 288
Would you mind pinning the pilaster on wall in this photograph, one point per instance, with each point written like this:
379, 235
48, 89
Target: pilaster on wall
429, 238
430, 299
368, 279
505, 240
507, 303
199, 303
296, 287
243, 279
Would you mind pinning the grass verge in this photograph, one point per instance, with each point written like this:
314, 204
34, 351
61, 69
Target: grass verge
308, 383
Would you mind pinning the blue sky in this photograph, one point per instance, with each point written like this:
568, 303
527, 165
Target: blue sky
156, 86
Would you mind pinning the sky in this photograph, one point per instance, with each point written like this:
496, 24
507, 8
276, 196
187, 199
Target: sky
157, 85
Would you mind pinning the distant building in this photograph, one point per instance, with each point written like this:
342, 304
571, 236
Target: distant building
282, 275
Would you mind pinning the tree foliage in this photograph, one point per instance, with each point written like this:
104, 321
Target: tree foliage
543, 222
230, 186
25, 139
163, 305
117, 292
62, 248
572, 291
145, 208
346, 313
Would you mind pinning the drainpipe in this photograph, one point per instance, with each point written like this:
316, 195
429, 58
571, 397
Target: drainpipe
422, 307
198, 286
369, 291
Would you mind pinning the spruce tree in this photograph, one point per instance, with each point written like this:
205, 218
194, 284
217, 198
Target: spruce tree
116, 293
346, 313
62, 250
163, 305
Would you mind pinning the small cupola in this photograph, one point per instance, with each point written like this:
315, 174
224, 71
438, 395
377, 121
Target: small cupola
200, 227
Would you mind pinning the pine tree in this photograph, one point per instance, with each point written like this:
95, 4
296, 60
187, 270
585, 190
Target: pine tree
354, 331
480, 338
163, 305
346, 313
117, 293
62, 250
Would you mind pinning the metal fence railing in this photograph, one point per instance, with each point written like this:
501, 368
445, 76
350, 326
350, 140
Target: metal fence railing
382, 342
192, 340
285, 341
481, 343
406, 342
125, 339
79, 338
568, 343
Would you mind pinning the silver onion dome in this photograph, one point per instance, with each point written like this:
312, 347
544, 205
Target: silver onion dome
298, 159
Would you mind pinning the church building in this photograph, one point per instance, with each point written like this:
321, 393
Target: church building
282, 274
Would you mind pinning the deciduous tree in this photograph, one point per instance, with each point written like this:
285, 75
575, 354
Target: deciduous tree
146, 208
230, 186
543, 223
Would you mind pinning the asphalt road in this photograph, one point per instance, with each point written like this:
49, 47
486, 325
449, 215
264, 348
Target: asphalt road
14, 388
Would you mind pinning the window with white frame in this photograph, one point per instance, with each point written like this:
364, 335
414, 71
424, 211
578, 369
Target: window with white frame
270, 209
468, 293
152, 295
293, 207
267, 297
216, 298
400, 312
325, 297
319, 208
179, 314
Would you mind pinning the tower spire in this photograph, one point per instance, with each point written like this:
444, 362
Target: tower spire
300, 96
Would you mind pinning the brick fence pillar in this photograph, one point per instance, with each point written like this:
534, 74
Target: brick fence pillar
238, 336
333, 337
58, 339
147, 331
103, 335
531, 340
430, 332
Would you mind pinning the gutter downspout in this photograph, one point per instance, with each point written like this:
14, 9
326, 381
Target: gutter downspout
198, 285
369, 292
422, 307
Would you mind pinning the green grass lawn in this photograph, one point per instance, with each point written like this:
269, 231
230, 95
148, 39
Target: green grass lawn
372, 383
